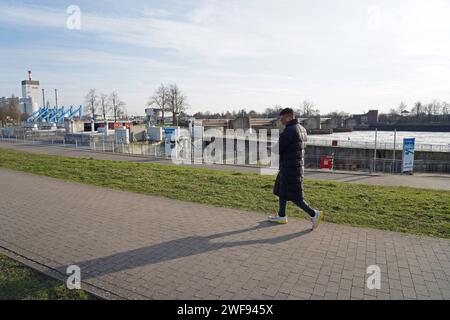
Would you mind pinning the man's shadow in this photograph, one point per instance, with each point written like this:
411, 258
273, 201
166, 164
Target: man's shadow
173, 249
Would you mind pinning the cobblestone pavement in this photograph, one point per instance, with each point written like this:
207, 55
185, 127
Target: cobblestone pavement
418, 180
143, 247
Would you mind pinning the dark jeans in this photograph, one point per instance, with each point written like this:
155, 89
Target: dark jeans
302, 204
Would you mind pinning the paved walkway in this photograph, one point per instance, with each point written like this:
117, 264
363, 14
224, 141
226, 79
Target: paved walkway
427, 181
142, 247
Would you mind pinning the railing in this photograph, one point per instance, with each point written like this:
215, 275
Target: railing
144, 150
380, 145
358, 164
100, 143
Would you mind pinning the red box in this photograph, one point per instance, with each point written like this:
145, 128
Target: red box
326, 162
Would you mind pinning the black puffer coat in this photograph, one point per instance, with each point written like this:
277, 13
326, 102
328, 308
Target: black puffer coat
292, 144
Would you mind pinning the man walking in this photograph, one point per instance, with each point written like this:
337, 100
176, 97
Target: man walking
289, 182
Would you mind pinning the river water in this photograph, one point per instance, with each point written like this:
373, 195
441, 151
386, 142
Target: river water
438, 138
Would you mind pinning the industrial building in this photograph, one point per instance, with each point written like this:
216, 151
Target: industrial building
31, 95
154, 115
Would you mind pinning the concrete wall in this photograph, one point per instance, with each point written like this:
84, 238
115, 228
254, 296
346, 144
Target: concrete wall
240, 123
312, 123
138, 132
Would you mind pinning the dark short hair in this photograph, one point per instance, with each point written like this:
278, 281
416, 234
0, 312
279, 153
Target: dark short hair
287, 111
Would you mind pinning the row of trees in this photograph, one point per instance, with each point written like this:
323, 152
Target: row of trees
306, 109
420, 109
166, 98
169, 98
419, 112
105, 105
435, 111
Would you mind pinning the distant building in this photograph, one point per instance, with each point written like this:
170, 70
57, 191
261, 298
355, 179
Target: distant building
311, 123
155, 115
350, 123
362, 120
332, 123
405, 113
31, 96
4, 101
24, 104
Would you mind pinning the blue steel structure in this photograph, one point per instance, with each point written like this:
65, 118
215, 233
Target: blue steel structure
55, 115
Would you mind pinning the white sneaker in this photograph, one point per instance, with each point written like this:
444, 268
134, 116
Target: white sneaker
316, 219
278, 219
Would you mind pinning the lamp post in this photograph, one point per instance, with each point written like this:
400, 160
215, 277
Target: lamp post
375, 151
393, 153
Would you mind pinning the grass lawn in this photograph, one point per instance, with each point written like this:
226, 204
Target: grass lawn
20, 282
403, 209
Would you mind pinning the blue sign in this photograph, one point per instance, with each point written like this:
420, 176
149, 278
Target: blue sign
408, 154
169, 131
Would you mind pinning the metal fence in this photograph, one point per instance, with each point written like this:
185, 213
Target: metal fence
102, 143
358, 164
49, 137
140, 149
97, 143
380, 145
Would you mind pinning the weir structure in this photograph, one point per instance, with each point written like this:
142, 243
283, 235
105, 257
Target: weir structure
55, 115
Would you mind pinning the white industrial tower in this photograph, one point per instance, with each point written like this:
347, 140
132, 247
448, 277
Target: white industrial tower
31, 95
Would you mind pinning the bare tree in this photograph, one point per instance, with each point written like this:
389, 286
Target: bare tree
3, 116
402, 107
429, 109
252, 114
417, 109
13, 111
273, 112
393, 112
10, 112
117, 105
177, 102
309, 109
445, 108
393, 115
104, 105
337, 113
436, 107
91, 101
160, 99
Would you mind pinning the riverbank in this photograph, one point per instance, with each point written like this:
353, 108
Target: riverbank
407, 127
383, 137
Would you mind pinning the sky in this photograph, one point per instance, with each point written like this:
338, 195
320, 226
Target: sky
228, 55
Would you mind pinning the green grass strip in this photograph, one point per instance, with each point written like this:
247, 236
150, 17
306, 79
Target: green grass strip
402, 209
18, 282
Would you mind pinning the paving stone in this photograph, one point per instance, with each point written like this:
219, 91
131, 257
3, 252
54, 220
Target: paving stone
147, 247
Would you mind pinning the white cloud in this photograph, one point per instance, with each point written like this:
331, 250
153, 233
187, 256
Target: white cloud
336, 53
33, 16
153, 12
